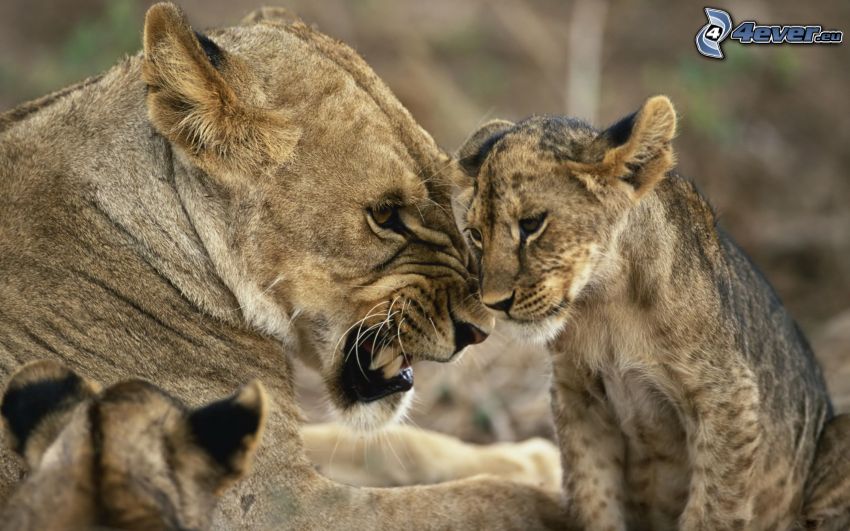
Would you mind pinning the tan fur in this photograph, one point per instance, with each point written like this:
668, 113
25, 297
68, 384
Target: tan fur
126, 458
684, 394
221, 127
404, 455
197, 224
827, 505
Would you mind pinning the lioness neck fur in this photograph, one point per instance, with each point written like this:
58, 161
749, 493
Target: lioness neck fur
684, 394
129, 457
206, 208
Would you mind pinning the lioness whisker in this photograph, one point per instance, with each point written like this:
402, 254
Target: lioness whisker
386, 437
333, 451
436, 204
433, 326
356, 345
273, 283
350, 328
387, 319
425, 314
400, 343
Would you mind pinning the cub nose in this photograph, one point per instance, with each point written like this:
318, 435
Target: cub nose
467, 334
503, 305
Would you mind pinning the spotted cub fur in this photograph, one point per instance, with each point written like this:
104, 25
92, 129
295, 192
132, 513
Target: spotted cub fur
684, 394
130, 457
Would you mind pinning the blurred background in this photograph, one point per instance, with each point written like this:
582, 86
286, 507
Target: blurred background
765, 133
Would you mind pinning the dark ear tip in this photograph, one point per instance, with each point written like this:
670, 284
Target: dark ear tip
211, 49
657, 110
37, 371
619, 133
475, 149
36, 390
230, 428
253, 396
471, 165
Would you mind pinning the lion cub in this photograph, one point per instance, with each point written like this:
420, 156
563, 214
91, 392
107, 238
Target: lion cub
684, 394
130, 457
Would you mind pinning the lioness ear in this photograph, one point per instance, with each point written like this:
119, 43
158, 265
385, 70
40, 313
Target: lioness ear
37, 403
229, 430
193, 103
475, 149
637, 149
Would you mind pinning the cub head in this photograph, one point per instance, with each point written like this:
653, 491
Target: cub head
323, 205
128, 457
547, 198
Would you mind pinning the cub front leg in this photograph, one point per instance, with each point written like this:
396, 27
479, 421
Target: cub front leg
724, 435
827, 506
592, 449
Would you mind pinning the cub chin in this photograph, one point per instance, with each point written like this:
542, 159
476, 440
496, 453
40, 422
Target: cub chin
684, 394
128, 457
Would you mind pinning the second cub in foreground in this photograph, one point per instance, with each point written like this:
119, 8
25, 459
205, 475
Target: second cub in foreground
129, 457
684, 394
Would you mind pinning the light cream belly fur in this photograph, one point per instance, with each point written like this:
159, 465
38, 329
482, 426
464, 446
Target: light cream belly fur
656, 462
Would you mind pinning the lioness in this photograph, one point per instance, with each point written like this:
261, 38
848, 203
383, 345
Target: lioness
130, 457
210, 206
684, 394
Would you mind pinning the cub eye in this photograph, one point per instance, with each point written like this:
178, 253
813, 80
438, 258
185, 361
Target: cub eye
530, 225
475, 236
387, 217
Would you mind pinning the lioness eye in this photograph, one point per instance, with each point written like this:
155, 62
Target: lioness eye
528, 226
387, 217
382, 215
475, 236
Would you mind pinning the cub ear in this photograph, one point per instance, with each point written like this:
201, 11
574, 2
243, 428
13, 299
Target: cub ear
637, 149
230, 430
37, 403
475, 149
192, 101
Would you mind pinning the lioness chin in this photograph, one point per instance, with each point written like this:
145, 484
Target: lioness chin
684, 394
206, 209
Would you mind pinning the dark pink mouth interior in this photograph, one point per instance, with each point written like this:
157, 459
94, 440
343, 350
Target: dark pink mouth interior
362, 384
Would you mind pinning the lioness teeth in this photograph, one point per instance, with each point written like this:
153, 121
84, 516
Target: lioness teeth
382, 358
392, 369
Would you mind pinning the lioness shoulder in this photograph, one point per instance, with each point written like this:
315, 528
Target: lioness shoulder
221, 203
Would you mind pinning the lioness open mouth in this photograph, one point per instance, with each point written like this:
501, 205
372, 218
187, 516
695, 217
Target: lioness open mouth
374, 367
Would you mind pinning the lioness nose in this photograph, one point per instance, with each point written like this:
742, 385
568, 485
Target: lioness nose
467, 334
503, 305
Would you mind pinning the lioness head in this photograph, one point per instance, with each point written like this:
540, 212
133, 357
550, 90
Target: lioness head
128, 457
547, 199
323, 205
